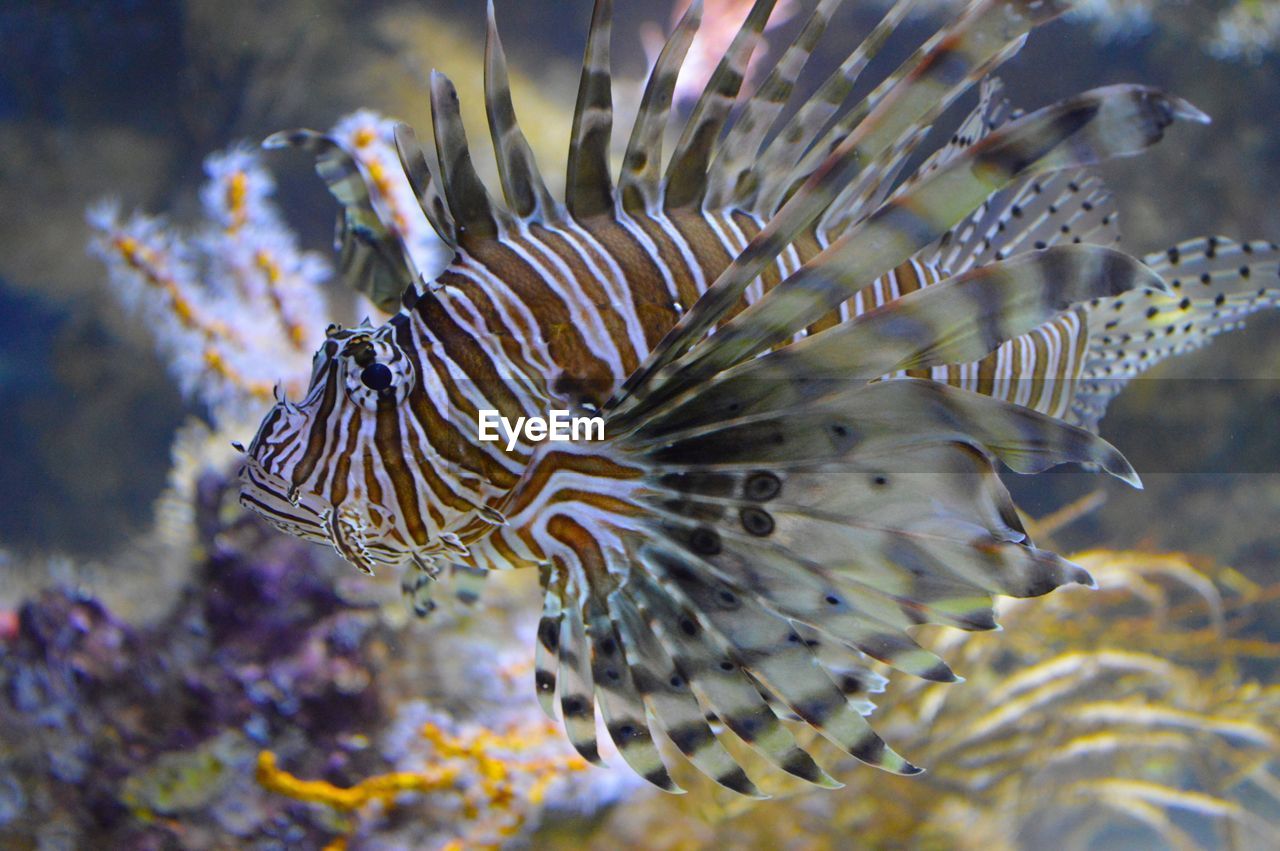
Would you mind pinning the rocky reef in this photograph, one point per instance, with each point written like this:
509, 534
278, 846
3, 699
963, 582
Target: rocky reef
193, 731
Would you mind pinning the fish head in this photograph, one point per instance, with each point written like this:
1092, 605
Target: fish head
311, 471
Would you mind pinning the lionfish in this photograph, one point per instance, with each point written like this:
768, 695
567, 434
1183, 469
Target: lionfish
809, 367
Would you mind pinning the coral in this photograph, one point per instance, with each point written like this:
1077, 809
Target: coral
234, 306
145, 736
1142, 699
495, 780
168, 734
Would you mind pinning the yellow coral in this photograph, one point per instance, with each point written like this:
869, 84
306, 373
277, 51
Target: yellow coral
234, 304
383, 788
150, 264
498, 787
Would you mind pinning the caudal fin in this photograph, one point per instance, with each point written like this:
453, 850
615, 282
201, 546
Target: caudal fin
1214, 284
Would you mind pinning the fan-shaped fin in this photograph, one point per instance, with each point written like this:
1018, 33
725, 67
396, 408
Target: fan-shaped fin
588, 184
768, 647
685, 183
796, 587
721, 686
768, 427
741, 144
672, 700
522, 182
469, 203
639, 185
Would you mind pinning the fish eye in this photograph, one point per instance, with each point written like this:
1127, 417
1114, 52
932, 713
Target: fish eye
376, 370
376, 376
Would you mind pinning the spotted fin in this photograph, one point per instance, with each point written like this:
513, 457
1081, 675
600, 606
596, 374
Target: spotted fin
856, 516
1037, 212
1214, 285
747, 559
722, 687
768, 647
671, 699
848, 419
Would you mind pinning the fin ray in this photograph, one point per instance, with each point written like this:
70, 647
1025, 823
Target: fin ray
522, 182
588, 185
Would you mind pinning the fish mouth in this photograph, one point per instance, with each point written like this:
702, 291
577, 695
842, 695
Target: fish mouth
268, 496
312, 518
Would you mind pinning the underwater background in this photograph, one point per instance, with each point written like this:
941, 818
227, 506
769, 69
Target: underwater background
173, 674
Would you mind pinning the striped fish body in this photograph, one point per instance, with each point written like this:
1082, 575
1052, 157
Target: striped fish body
556, 318
808, 369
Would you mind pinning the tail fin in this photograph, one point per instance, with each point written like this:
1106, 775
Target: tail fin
1214, 284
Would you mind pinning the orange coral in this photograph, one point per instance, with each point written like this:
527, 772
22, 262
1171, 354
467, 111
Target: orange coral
499, 777
382, 788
